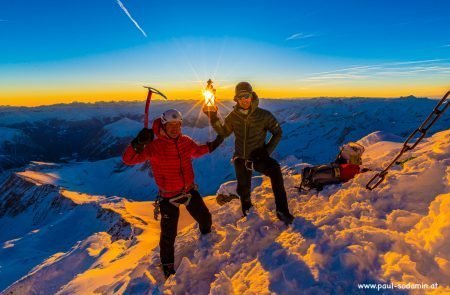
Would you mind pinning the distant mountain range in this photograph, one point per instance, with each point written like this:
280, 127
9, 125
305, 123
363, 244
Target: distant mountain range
313, 128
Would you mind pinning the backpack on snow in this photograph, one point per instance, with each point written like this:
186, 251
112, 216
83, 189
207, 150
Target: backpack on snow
316, 177
344, 168
350, 153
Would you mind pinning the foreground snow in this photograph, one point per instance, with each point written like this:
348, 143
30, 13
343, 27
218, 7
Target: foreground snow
341, 237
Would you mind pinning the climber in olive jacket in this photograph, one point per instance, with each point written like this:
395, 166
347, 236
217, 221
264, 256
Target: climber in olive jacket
250, 129
250, 125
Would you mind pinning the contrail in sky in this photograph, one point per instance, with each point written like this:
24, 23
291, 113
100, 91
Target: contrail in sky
129, 15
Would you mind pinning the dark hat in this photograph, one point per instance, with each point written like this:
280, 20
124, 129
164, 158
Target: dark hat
242, 87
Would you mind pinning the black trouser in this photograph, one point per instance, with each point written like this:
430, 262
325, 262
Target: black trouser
268, 167
169, 223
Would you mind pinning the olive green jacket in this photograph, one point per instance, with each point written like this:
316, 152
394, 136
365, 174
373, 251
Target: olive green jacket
250, 130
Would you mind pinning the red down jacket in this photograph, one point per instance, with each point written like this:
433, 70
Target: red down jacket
170, 159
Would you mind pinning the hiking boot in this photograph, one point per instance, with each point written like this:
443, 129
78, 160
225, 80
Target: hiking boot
168, 270
287, 217
205, 231
246, 206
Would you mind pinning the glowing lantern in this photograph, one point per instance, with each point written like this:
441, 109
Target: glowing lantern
210, 95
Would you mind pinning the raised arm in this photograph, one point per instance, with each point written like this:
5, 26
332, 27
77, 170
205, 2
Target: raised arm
224, 130
131, 157
140, 148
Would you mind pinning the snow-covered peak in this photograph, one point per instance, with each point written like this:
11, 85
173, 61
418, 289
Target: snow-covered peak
124, 127
378, 136
343, 239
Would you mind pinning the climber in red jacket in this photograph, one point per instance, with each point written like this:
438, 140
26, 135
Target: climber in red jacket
170, 155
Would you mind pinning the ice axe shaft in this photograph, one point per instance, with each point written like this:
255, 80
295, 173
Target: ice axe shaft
151, 90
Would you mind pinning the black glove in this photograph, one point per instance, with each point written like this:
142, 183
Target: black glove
259, 154
144, 137
212, 145
211, 113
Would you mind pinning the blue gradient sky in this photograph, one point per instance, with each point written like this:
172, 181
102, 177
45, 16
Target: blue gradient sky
60, 51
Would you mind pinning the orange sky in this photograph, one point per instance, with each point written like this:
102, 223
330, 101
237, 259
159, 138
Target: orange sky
39, 96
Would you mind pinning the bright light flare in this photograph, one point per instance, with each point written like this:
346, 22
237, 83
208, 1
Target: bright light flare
209, 97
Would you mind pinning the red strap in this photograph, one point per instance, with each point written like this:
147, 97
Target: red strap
147, 105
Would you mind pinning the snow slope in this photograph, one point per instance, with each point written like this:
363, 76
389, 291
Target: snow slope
123, 128
341, 237
111, 177
39, 220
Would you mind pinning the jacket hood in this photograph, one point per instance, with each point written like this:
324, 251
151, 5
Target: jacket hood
159, 132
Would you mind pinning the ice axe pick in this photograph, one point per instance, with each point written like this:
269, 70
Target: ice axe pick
151, 90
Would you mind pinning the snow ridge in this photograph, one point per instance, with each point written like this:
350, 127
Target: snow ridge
342, 236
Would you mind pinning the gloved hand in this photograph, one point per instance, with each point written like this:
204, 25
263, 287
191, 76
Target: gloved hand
211, 112
144, 137
212, 145
259, 154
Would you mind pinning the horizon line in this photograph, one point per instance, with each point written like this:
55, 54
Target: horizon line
411, 96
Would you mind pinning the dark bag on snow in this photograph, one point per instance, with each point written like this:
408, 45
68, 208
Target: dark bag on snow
316, 177
344, 168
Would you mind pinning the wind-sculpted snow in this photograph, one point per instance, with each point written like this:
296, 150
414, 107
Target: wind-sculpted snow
342, 237
39, 220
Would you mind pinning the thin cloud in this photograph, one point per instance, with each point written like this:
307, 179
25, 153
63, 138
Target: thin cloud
381, 66
131, 18
392, 69
298, 36
335, 77
3, 20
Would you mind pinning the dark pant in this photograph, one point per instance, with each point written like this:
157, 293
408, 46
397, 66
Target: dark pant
268, 167
169, 223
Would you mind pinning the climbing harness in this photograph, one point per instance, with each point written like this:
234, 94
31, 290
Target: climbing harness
249, 165
181, 199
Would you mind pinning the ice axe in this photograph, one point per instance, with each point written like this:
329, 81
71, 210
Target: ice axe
151, 90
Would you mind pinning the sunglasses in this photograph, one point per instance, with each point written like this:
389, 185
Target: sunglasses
244, 96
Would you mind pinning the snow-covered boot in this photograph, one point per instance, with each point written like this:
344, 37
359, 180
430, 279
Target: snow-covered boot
287, 217
168, 270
